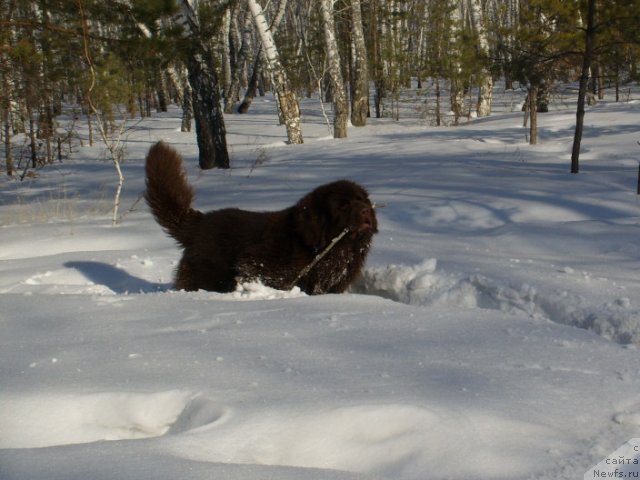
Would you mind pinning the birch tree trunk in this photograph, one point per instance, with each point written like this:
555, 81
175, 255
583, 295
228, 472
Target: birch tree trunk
7, 82
456, 93
180, 83
287, 99
340, 106
226, 51
6, 125
360, 74
378, 66
252, 84
210, 128
187, 108
234, 90
485, 81
533, 114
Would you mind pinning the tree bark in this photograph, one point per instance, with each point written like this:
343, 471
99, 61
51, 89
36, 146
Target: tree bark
210, 127
533, 114
187, 109
360, 74
590, 34
288, 102
6, 123
456, 93
32, 137
379, 83
340, 106
226, 51
207, 113
5, 106
485, 81
231, 97
252, 85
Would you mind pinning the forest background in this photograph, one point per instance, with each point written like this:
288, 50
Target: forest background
109, 62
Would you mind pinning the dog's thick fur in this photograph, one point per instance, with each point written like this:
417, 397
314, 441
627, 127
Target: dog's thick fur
224, 247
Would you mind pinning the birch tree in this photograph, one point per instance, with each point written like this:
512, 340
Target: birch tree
114, 144
379, 71
456, 87
7, 81
287, 99
341, 109
225, 39
231, 96
260, 60
485, 80
359, 72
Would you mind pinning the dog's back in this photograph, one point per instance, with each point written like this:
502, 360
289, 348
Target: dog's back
218, 240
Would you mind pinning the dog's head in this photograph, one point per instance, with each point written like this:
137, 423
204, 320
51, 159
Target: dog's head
332, 208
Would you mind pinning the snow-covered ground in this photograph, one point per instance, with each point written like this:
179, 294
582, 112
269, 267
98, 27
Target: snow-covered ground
494, 335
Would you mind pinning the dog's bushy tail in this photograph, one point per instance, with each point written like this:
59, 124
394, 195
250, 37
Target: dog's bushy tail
168, 193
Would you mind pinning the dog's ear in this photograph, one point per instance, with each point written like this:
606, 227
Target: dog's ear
311, 221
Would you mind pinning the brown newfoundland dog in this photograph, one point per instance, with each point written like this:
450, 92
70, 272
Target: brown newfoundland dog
319, 244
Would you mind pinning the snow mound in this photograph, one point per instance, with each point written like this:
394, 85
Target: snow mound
258, 291
415, 285
423, 284
392, 440
48, 420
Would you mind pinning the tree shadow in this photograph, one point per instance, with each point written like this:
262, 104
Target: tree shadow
116, 279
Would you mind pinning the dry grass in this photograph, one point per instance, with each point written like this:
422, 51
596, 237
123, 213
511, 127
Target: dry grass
59, 205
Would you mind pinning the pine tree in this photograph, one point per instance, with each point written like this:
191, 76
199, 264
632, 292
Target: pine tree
542, 49
587, 58
203, 79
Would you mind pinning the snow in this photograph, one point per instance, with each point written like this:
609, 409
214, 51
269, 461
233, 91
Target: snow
494, 335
